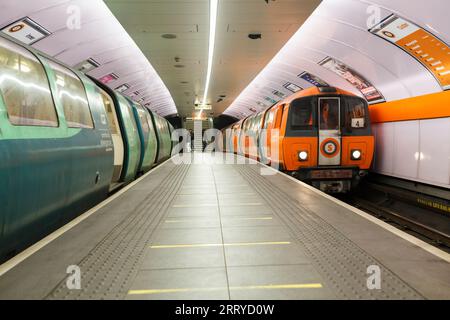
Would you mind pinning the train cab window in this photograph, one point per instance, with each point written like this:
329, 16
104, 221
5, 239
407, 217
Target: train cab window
72, 96
329, 113
302, 114
25, 88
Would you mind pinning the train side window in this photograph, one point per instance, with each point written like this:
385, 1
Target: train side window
109, 105
278, 116
267, 119
150, 124
72, 96
25, 88
301, 115
143, 120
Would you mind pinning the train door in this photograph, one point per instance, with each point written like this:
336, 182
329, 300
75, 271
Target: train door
329, 131
115, 134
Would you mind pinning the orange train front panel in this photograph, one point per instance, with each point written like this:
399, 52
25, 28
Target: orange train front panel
292, 146
363, 144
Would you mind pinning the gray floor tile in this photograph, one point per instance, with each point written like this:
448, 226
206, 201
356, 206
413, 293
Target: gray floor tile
195, 281
191, 222
250, 221
195, 199
176, 258
245, 210
210, 211
255, 234
187, 236
242, 277
283, 254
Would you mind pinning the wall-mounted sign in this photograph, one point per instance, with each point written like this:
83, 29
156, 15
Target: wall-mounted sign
122, 88
87, 65
259, 103
433, 53
354, 78
203, 107
292, 87
314, 80
108, 78
270, 100
26, 31
279, 94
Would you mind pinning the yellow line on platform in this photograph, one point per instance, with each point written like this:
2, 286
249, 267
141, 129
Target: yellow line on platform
204, 245
195, 205
235, 218
256, 287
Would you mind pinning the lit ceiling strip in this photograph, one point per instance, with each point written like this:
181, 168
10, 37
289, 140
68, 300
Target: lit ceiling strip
433, 53
213, 4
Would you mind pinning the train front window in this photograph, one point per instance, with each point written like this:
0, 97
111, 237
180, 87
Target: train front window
329, 113
355, 114
302, 114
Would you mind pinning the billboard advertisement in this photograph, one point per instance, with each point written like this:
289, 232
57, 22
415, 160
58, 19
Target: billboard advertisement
371, 94
419, 43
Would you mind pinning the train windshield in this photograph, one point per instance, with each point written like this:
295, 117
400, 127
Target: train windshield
306, 114
329, 113
302, 114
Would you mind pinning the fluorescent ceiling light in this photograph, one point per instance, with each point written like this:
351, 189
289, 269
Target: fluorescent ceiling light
213, 4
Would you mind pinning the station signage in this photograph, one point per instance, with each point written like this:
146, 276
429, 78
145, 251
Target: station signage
87, 65
108, 78
430, 51
292, 87
354, 78
270, 100
26, 31
122, 87
277, 93
203, 107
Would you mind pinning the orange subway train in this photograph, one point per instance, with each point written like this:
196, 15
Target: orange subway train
321, 135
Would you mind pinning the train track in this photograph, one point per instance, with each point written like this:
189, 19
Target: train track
402, 208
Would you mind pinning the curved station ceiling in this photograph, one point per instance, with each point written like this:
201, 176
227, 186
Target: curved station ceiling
156, 52
85, 34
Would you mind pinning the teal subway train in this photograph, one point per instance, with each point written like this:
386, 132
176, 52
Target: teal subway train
66, 142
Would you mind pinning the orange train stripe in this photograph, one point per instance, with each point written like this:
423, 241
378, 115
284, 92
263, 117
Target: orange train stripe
436, 105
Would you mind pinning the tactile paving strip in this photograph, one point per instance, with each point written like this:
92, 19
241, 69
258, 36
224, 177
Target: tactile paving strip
107, 271
339, 260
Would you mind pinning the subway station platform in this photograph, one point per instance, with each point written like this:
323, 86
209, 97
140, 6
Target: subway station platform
208, 230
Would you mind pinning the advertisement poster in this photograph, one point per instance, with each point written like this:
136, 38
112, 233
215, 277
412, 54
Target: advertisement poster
359, 82
26, 31
316, 81
422, 45
292, 87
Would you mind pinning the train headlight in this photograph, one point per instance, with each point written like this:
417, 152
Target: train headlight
356, 154
303, 155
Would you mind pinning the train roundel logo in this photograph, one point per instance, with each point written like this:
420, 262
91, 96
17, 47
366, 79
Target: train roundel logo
329, 147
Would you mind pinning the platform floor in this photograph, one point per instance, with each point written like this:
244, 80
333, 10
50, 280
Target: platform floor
224, 231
